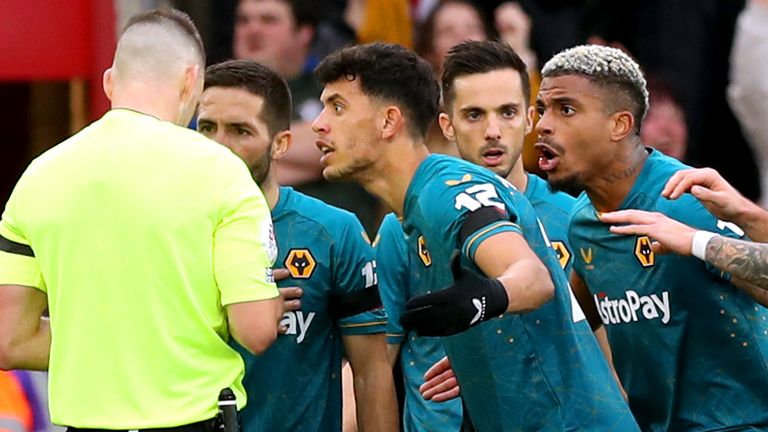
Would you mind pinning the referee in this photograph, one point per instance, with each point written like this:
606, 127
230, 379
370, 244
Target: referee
148, 244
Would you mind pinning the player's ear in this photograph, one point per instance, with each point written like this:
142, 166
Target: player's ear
622, 125
281, 144
192, 85
529, 119
392, 122
107, 83
446, 126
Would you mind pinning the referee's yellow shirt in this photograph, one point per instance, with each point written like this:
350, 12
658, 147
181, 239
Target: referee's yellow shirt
138, 231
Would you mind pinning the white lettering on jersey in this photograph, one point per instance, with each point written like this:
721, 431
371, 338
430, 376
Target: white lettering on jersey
297, 324
481, 195
633, 307
722, 225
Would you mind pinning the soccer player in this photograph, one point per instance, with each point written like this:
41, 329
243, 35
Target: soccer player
537, 366
296, 384
148, 243
486, 93
688, 346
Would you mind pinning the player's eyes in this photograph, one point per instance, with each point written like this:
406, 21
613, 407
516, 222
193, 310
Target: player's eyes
337, 108
472, 116
567, 110
509, 114
204, 128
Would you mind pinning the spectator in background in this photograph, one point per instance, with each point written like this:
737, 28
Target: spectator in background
748, 88
279, 35
664, 126
449, 23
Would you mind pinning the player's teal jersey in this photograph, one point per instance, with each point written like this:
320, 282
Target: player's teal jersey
296, 385
399, 270
553, 209
537, 371
399, 274
689, 347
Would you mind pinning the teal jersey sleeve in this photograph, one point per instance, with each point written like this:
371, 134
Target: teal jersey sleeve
392, 260
355, 269
451, 200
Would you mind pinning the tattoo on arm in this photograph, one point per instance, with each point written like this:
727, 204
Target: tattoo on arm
745, 260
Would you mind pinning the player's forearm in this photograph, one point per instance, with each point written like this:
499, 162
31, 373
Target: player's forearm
744, 260
375, 397
754, 221
528, 285
29, 352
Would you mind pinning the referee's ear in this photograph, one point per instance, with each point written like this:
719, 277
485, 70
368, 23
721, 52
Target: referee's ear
281, 143
107, 83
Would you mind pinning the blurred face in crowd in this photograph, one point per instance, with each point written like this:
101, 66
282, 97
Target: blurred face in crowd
664, 128
574, 132
232, 117
346, 129
266, 32
454, 23
489, 119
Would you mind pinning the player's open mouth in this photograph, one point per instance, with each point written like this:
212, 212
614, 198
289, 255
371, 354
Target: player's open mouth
324, 147
548, 157
493, 157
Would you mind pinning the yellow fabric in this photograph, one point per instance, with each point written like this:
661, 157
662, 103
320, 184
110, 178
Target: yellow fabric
386, 21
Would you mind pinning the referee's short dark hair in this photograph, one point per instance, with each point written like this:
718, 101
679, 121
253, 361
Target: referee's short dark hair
260, 81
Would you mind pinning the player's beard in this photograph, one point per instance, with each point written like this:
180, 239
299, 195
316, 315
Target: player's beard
348, 172
260, 170
570, 184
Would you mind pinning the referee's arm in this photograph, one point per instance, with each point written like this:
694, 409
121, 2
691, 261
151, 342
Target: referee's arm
25, 337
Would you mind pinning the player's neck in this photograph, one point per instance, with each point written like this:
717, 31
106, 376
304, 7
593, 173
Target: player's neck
271, 190
518, 176
610, 188
392, 174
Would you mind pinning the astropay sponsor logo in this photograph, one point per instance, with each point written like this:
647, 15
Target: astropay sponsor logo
633, 307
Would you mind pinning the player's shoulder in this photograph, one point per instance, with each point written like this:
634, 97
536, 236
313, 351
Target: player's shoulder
332, 219
440, 176
582, 208
390, 231
539, 193
391, 225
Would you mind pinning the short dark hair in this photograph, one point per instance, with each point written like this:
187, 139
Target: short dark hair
260, 81
177, 18
389, 72
476, 57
